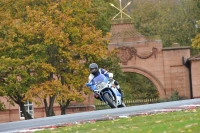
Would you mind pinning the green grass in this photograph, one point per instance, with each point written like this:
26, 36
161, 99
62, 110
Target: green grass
187, 121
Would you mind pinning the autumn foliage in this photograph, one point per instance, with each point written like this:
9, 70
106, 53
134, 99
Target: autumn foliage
196, 40
45, 50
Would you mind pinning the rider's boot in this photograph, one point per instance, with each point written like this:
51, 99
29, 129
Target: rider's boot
118, 87
120, 91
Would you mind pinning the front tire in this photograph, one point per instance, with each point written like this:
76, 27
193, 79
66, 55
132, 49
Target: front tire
110, 101
122, 105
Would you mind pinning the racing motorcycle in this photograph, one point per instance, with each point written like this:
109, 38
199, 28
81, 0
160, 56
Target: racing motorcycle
105, 90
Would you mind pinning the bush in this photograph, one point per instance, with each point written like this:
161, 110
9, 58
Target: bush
173, 97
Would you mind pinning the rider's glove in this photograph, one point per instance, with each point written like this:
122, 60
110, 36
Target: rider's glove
88, 84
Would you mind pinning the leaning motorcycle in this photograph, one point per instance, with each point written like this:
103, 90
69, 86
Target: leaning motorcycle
105, 90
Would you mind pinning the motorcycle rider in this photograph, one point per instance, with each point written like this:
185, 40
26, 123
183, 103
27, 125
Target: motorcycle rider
95, 71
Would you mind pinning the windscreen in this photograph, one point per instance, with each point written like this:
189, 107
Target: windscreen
98, 79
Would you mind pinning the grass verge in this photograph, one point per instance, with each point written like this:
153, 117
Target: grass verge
187, 121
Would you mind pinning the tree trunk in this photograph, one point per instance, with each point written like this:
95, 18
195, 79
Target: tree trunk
26, 114
46, 107
49, 109
51, 102
64, 107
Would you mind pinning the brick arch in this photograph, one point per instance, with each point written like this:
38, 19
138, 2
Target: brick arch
150, 76
145, 55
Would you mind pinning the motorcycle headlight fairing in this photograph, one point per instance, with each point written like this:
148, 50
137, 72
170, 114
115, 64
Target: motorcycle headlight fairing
101, 85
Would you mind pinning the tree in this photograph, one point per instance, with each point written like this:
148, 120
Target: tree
174, 21
136, 86
196, 41
103, 14
46, 48
2, 105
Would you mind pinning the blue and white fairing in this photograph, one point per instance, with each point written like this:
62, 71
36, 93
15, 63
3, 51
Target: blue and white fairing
99, 82
101, 85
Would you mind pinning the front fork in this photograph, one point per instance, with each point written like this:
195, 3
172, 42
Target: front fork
100, 94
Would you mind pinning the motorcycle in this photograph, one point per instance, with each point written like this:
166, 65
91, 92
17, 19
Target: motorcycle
105, 90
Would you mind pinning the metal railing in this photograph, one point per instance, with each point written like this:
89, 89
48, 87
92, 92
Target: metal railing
131, 102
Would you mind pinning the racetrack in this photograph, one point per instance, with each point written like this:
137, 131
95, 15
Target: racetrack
96, 115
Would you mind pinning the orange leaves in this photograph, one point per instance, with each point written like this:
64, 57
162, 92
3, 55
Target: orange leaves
53, 88
47, 67
52, 38
44, 90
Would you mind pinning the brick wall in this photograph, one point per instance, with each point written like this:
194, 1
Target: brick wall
195, 72
12, 112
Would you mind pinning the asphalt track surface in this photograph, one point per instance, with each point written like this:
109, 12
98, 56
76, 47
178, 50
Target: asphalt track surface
11, 127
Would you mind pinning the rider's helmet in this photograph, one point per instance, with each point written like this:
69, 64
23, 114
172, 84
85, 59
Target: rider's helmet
93, 68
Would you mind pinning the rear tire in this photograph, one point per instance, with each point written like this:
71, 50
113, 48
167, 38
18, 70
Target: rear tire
110, 101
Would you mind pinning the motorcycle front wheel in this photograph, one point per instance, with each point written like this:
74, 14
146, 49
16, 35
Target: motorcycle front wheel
110, 100
122, 105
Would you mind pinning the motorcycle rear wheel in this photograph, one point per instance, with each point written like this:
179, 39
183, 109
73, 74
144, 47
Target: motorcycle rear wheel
110, 101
